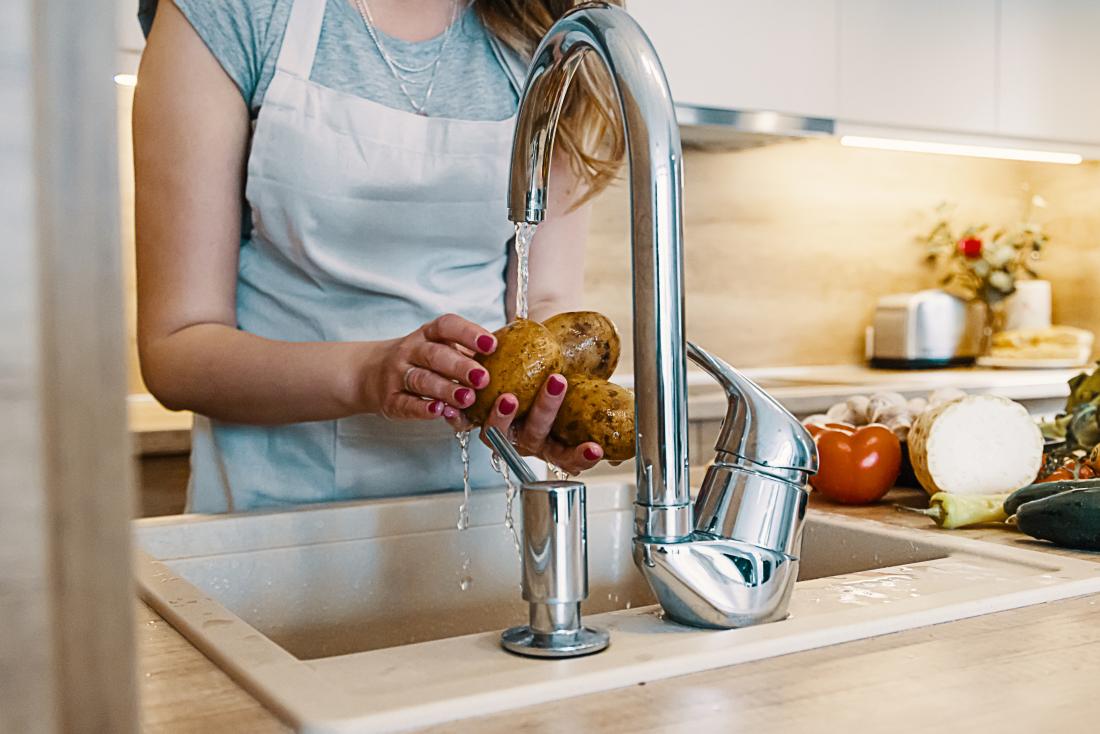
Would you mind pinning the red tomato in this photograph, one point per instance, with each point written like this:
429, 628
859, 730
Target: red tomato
856, 467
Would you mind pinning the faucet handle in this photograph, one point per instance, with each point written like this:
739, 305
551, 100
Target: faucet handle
757, 428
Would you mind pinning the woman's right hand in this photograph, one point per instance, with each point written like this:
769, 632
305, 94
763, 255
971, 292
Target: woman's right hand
430, 373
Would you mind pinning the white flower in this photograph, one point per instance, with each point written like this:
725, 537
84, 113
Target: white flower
1000, 255
1001, 280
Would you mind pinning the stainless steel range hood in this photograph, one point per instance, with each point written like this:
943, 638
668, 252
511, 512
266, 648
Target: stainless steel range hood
726, 129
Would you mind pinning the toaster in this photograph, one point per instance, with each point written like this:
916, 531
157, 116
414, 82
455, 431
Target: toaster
930, 328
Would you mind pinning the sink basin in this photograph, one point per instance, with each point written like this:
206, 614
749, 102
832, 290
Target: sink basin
381, 615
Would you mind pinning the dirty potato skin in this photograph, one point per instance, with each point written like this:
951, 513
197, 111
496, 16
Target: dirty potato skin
526, 355
589, 342
596, 410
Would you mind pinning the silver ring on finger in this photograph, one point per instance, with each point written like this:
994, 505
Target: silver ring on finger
405, 380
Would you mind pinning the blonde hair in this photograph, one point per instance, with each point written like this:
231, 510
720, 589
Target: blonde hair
590, 132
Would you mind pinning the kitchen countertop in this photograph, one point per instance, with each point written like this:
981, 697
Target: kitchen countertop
154, 429
808, 390
1024, 670
803, 390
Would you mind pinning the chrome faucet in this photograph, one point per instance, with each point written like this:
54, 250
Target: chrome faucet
736, 563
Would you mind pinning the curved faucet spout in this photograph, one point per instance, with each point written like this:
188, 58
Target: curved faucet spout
739, 566
663, 506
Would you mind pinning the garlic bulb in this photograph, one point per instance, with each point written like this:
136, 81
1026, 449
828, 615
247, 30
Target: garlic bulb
917, 406
885, 403
860, 407
891, 409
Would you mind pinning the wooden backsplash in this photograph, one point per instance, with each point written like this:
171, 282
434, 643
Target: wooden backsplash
787, 247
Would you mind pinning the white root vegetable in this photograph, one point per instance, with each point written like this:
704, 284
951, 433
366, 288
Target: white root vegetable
980, 444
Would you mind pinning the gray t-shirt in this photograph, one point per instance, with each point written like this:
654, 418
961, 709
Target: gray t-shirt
245, 37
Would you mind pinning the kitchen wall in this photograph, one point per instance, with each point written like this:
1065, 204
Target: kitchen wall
1072, 262
789, 246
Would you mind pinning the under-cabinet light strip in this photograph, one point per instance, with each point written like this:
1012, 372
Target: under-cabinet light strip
977, 151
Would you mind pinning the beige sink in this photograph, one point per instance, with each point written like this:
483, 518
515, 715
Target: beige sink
381, 616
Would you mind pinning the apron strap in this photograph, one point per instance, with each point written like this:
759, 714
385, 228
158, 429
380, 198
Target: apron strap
303, 30
514, 65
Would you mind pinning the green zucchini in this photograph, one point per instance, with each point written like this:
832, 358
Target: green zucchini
1070, 519
1045, 489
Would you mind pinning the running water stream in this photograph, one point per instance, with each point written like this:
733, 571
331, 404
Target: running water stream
501, 468
464, 509
525, 233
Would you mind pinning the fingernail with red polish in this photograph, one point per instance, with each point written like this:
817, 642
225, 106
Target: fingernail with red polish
486, 344
555, 385
592, 454
435, 407
478, 377
508, 406
449, 412
464, 395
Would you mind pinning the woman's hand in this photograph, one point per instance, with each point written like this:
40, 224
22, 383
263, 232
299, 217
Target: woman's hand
531, 436
429, 373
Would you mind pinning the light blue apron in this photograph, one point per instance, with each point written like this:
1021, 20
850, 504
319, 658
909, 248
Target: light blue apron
367, 223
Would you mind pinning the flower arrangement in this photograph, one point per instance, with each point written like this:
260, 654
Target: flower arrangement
979, 263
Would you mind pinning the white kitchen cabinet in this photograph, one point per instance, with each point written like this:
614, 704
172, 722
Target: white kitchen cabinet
745, 54
928, 64
1049, 64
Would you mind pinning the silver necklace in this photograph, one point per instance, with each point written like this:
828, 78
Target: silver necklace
396, 68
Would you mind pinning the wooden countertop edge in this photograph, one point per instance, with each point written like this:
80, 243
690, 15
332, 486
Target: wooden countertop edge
1029, 669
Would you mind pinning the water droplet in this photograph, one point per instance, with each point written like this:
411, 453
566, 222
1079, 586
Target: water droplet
465, 583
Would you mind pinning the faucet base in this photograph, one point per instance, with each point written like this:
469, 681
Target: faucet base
717, 583
562, 644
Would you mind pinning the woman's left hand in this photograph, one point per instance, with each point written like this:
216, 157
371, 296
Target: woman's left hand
531, 435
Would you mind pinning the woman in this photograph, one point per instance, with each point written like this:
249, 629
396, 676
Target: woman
322, 326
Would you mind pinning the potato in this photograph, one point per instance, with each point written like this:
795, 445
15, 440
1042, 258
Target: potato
525, 356
596, 410
589, 342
